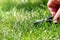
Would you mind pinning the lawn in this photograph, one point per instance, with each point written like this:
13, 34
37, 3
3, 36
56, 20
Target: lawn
17, 18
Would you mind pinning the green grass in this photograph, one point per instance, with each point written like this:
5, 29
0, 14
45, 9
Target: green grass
17, 23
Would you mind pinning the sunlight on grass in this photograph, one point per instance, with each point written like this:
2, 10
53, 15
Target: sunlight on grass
17, 18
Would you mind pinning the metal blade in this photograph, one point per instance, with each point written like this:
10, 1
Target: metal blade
49, 19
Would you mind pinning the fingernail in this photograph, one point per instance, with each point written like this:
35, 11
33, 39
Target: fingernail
55, 22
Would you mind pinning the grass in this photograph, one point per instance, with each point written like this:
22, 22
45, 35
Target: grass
17, 23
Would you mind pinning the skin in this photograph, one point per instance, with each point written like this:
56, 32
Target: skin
54, 7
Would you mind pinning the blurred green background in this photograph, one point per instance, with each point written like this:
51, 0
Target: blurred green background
17, 18
28, 4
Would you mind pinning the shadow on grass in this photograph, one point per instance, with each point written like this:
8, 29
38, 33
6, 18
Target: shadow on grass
27, 6
30, 6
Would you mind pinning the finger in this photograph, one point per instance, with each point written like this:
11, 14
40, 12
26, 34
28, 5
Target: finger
52, 7
51, 3
53, 11
57, 16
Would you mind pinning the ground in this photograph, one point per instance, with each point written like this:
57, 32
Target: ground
17, 24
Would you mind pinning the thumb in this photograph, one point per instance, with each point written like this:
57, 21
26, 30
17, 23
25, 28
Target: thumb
57, 15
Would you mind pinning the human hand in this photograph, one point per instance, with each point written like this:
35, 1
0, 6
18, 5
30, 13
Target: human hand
54, 7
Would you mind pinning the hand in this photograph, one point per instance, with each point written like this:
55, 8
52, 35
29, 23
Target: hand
54, 7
